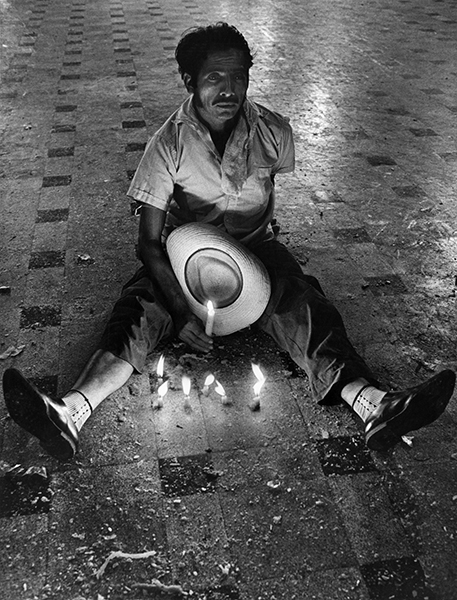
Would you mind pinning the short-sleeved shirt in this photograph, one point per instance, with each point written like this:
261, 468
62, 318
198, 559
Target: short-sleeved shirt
182, 173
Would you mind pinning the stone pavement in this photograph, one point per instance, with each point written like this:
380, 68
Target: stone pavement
218, 500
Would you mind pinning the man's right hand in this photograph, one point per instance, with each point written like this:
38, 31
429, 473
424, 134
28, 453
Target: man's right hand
194, 335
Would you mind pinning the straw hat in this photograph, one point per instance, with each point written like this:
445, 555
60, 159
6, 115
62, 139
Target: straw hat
211, 265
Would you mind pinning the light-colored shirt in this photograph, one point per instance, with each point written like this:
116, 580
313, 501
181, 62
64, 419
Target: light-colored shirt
181, 171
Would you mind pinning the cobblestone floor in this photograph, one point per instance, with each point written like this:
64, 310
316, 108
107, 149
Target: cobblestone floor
282, 503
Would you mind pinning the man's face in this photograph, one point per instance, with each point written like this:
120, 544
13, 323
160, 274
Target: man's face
220, 88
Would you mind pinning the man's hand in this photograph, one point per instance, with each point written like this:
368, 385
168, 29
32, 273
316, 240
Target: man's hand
194, 335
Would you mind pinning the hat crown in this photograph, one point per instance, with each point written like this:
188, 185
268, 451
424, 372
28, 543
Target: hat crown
212, 274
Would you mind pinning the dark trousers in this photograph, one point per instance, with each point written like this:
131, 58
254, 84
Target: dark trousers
299, 317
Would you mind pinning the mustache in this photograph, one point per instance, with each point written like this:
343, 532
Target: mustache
228, 100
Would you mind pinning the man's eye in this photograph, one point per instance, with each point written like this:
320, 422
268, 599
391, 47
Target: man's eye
213, 77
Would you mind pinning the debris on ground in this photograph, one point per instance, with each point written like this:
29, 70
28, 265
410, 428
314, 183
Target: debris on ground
84, 259
12, 351
126, 555
174, 591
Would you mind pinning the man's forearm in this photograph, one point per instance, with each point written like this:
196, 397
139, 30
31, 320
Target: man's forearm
161, 274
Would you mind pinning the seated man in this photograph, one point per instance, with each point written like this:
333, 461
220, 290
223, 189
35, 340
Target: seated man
214, 161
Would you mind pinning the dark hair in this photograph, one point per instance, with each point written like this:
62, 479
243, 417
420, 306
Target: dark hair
197, 43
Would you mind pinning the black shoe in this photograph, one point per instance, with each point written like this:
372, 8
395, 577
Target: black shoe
47, 419
401, 412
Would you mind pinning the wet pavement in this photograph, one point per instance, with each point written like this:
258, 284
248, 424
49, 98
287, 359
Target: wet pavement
213, 500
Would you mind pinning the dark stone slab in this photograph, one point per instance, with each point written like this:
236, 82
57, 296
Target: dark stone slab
133, 124
40, 316
343, 455
52, 215
187, 475
56, 180
353, 235
46, 259
401, 578
24, 492
422, 132
59, 152
377, 160
63, 128
409, 191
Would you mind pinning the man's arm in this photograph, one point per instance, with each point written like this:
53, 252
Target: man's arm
158, 267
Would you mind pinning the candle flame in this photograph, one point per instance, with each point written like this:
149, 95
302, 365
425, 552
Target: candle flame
219, 389
260, 379
209, 379
160, 366
186, 385
163, 389
210, 307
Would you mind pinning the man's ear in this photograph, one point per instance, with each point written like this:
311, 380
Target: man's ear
188, 82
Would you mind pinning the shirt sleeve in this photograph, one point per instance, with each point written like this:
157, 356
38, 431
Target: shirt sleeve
286, 160
153, 182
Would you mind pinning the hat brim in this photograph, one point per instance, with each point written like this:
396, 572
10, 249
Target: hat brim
253, 297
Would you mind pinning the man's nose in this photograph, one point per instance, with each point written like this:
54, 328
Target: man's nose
228, 87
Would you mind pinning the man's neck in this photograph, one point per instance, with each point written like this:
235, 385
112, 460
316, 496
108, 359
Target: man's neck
219, 132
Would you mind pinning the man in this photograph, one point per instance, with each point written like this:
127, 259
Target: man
214, 161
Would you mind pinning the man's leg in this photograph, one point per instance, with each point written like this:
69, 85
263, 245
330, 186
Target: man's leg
308, 326
104, 374
138, 322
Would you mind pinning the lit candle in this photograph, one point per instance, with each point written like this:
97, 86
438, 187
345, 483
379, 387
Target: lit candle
209, 318
162, 390
160, 366
220, 390
255, 402
208, 381
186, 383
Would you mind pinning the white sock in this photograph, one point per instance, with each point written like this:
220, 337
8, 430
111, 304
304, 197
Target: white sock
79, 407
363, 398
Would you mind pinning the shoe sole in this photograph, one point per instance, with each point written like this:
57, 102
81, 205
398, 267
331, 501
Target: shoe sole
29, 411
428, 404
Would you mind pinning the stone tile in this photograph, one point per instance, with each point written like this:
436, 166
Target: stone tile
52, 215
133, 124
338, 584
422, 132
24, 492
56, 180
198, 545
40, 316
377, 160
343, 455
186, 475
262, 513
47, 258
409, 191
397, 578
356, 235
61, 152
135, 147
23, 556
375, 529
